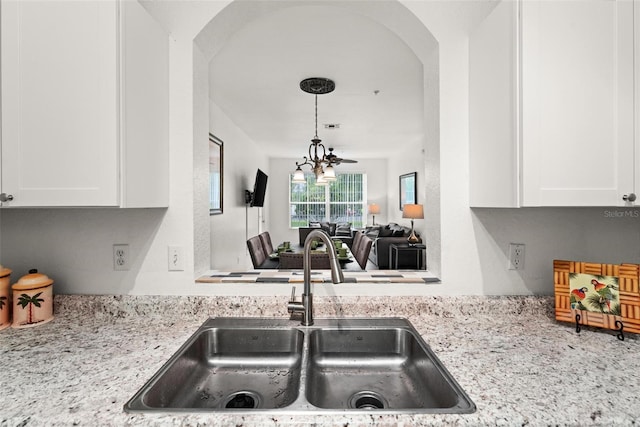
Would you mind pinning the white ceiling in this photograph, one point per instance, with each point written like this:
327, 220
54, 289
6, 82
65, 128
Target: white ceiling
255, 80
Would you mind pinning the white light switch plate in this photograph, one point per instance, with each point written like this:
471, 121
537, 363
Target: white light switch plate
176, 258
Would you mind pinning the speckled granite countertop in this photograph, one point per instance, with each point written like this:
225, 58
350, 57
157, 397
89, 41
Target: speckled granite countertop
518, 365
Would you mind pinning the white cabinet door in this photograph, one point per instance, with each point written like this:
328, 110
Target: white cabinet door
60, 103
144, 109
577, 102
551, 105
85, 104
493, 110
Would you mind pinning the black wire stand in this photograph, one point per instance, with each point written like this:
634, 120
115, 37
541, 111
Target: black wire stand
618, 323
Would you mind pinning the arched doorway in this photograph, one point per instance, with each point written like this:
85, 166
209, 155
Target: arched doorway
390, 14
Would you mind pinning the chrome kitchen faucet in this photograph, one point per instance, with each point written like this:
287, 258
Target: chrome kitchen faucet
306, 305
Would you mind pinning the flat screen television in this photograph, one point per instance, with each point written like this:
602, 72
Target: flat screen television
259, 189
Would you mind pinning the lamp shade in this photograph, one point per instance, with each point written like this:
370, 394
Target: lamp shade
374, 209
329, 173
413, 211
320, 181
298, 176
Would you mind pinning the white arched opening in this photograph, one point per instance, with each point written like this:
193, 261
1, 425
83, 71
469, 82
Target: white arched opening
392, 15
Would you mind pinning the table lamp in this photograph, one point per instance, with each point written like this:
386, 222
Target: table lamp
413, 212
374, 209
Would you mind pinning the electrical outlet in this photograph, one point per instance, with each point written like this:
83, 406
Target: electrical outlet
121, 261
176, 258
516, 256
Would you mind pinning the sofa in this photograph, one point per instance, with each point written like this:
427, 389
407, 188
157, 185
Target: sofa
340, 230
383, 237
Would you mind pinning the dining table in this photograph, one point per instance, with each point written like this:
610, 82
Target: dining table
344, 261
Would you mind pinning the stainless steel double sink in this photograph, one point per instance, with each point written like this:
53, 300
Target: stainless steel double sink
276, 365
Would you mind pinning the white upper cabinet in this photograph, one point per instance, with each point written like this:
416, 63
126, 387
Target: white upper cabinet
84, 104
551, 105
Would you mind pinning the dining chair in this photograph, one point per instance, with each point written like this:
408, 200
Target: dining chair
267, 246
294, 260
361, 249
356, 239
256, 250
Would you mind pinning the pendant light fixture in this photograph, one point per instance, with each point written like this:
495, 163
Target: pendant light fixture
320, 164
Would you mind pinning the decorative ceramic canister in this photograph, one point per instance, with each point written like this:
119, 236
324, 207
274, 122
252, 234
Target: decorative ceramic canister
32, 300
5, 300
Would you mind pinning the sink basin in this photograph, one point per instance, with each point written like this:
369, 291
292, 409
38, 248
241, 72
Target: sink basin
228, 369
376, 369
277, 365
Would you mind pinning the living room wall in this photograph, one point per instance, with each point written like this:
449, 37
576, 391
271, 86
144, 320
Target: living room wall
418, 157
412, 160
229, 231
278, 192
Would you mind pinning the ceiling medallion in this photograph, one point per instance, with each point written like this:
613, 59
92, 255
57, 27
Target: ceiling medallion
317, 85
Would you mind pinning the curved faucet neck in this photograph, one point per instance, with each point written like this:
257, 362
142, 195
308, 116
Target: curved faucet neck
336, 272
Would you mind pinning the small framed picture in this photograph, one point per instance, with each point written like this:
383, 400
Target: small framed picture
408, 189
216, 160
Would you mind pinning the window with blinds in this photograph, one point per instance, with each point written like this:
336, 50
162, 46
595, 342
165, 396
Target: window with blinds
343, 200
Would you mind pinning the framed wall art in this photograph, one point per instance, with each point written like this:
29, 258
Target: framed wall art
408, 189
216, 161
600, 295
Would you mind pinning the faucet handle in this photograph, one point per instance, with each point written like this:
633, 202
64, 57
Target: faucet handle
294, 306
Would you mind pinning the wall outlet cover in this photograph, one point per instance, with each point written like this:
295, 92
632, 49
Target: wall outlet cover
516, 256
121, 258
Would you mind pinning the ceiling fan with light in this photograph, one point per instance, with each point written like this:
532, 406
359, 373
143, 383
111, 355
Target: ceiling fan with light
335, 160
321, 165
